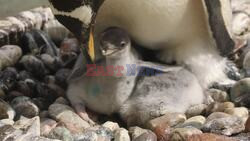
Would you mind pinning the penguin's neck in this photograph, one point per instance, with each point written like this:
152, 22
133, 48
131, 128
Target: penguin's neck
121, 61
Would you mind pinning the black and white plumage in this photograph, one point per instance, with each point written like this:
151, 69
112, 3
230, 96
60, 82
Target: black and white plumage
193, 33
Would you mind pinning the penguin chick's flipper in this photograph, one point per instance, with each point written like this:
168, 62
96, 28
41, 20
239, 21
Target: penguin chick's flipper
219, 17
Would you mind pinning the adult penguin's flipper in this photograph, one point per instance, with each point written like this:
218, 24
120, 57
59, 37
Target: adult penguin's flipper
219, 17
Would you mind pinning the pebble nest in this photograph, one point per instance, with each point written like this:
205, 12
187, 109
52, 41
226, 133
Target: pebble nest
33, 105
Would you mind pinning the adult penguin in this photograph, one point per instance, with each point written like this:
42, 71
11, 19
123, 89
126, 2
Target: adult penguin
193, 33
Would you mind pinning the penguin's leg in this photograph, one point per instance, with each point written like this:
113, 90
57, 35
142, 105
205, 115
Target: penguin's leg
73, 94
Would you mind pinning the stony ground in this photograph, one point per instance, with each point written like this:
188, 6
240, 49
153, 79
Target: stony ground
33, 106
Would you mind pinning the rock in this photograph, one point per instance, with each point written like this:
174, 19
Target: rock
240, 112
242, 137
218, 107
24, 88
162, 133
196, 122
53, 63
196, 110
29, 126
170, 119
181, 134
247, 125
38, 42
9, 55
6, 122
61, 133
136, 132
8, 79
13, 94
246, 61
6, 111
8, 132
64, 114
239, 92
111, 125
44, 114
34, 65
56, 31
224, 86
86, 136
224, 124
46, 126
232, 71
218, 95
69, 46
104, 134
23, 75
61, 77
149, 136
208, 137
49, 91
2, 94
121, 135
41, 103
49, 79
61, 100
24, 107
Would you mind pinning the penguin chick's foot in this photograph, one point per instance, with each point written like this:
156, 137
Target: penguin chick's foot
81, 111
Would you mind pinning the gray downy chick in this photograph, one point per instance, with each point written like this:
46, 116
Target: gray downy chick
159, 89
94, 89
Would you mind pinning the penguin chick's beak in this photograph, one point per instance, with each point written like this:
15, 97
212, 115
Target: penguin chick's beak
91, 45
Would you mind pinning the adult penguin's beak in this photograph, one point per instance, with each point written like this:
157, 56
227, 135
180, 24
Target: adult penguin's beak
78, 16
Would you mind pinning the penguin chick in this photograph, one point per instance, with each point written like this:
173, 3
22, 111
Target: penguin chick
105, 91
158, 90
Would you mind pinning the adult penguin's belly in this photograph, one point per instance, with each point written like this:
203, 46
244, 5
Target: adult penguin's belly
154, 23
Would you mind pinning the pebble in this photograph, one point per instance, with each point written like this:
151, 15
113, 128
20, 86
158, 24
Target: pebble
65, 114
61, 133
121, 135
9, 55
136, 132
170, 119
232, 71
246, 61
196, 122
208, 137
224, 124
240, 112
69, 45
181, 134
239, 92
86, 136
61, 100
47, 125
218, 95
61, 77
23, 88
219, 107
162, 133
34, 65
56, 31
196, 110
111, 125
6, 111
8, 79
148, 136
53, 63
24, 107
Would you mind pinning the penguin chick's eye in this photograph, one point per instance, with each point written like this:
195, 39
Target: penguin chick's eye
123, 44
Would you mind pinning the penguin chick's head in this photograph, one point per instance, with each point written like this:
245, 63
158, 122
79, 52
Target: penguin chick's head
114, 41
